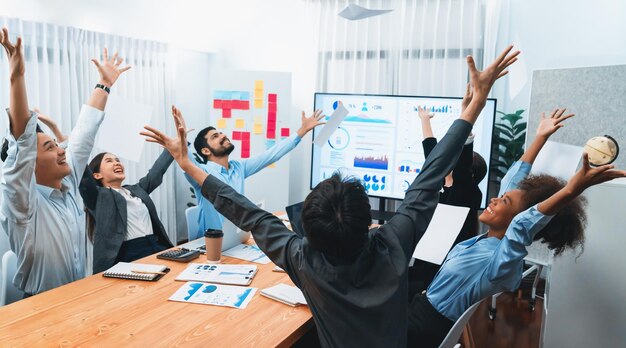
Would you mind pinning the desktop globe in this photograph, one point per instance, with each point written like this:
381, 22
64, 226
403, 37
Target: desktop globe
601, 150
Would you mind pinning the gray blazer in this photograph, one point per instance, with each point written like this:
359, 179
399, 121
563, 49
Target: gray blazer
108, 208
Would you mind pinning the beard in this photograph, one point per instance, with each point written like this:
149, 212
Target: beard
224, 151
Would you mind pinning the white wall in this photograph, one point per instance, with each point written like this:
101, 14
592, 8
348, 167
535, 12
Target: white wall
268, 35
562, 34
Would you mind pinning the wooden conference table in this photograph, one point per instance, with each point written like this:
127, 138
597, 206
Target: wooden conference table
109, 312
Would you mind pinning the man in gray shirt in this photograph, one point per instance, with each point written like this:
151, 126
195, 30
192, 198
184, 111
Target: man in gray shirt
354, 279
41, 209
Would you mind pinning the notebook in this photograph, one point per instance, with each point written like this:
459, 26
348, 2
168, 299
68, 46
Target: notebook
286, 294
138, 271
218, 273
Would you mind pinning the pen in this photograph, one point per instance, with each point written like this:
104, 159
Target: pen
147, 272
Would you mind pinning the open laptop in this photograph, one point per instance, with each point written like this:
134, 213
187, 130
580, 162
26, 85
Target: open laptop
294, 212
233, 236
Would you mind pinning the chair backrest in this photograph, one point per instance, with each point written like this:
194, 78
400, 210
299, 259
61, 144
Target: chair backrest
8, 292
457, 329
191, 215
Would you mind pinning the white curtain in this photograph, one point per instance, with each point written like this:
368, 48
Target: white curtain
60, 77
418, 49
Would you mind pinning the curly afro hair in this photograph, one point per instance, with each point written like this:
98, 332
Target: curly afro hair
566, 229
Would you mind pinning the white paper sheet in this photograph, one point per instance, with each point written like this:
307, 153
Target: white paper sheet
119, 132
443, 229
556, 159
247, 252
331, 125
214, 294
355, 12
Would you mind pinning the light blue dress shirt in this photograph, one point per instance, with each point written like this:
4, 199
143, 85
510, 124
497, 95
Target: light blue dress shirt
237, 172
46, 226
483, 266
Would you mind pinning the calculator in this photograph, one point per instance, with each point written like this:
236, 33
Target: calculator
179, 255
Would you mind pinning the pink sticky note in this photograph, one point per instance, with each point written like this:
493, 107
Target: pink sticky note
217, 104
227, 104
271, 106
236, 135
284, 132
271, 98
226, 113
271, 134
245, 145
245, 153
271, 116
245, 136
271, 126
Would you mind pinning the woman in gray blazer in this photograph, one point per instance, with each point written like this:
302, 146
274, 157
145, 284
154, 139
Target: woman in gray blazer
122, 221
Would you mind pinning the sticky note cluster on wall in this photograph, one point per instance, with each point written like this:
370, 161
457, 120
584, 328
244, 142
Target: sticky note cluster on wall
258, 94
244, 137
231, 100
272, 110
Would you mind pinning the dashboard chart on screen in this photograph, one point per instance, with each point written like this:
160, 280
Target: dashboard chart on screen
380, 140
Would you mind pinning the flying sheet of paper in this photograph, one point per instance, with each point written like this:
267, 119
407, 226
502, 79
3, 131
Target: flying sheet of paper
443, 229
119, 132
355, 12
557, 159
331, 125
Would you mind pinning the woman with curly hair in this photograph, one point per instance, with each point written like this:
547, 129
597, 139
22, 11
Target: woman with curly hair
529, 208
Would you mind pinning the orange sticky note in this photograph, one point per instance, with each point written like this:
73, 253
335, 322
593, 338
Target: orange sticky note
258, 103
240, 123
258, 128
221, 123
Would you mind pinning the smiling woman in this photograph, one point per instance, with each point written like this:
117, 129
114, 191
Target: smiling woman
122, 220
529, 208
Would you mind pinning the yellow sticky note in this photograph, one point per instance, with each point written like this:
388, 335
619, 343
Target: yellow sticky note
240, 123
258, 128
221, 123
258, 103
258, 84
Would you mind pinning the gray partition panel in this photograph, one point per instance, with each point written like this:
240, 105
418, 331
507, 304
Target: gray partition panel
596, 94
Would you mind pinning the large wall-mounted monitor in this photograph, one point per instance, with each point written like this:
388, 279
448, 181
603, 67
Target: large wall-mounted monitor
380, 140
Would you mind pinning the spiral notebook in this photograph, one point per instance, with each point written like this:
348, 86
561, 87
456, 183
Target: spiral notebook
138, 271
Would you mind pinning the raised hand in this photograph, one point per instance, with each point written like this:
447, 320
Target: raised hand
549, 125
177, 146
178, 114
15, 54
310, 122
482, 81
109, 68
588, 176
424, 114
48, 121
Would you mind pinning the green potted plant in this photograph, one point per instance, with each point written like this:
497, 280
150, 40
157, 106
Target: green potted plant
509, 135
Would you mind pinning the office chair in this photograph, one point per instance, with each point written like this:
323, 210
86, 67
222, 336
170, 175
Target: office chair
8, 292
539, 257
452, 338
191, 215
